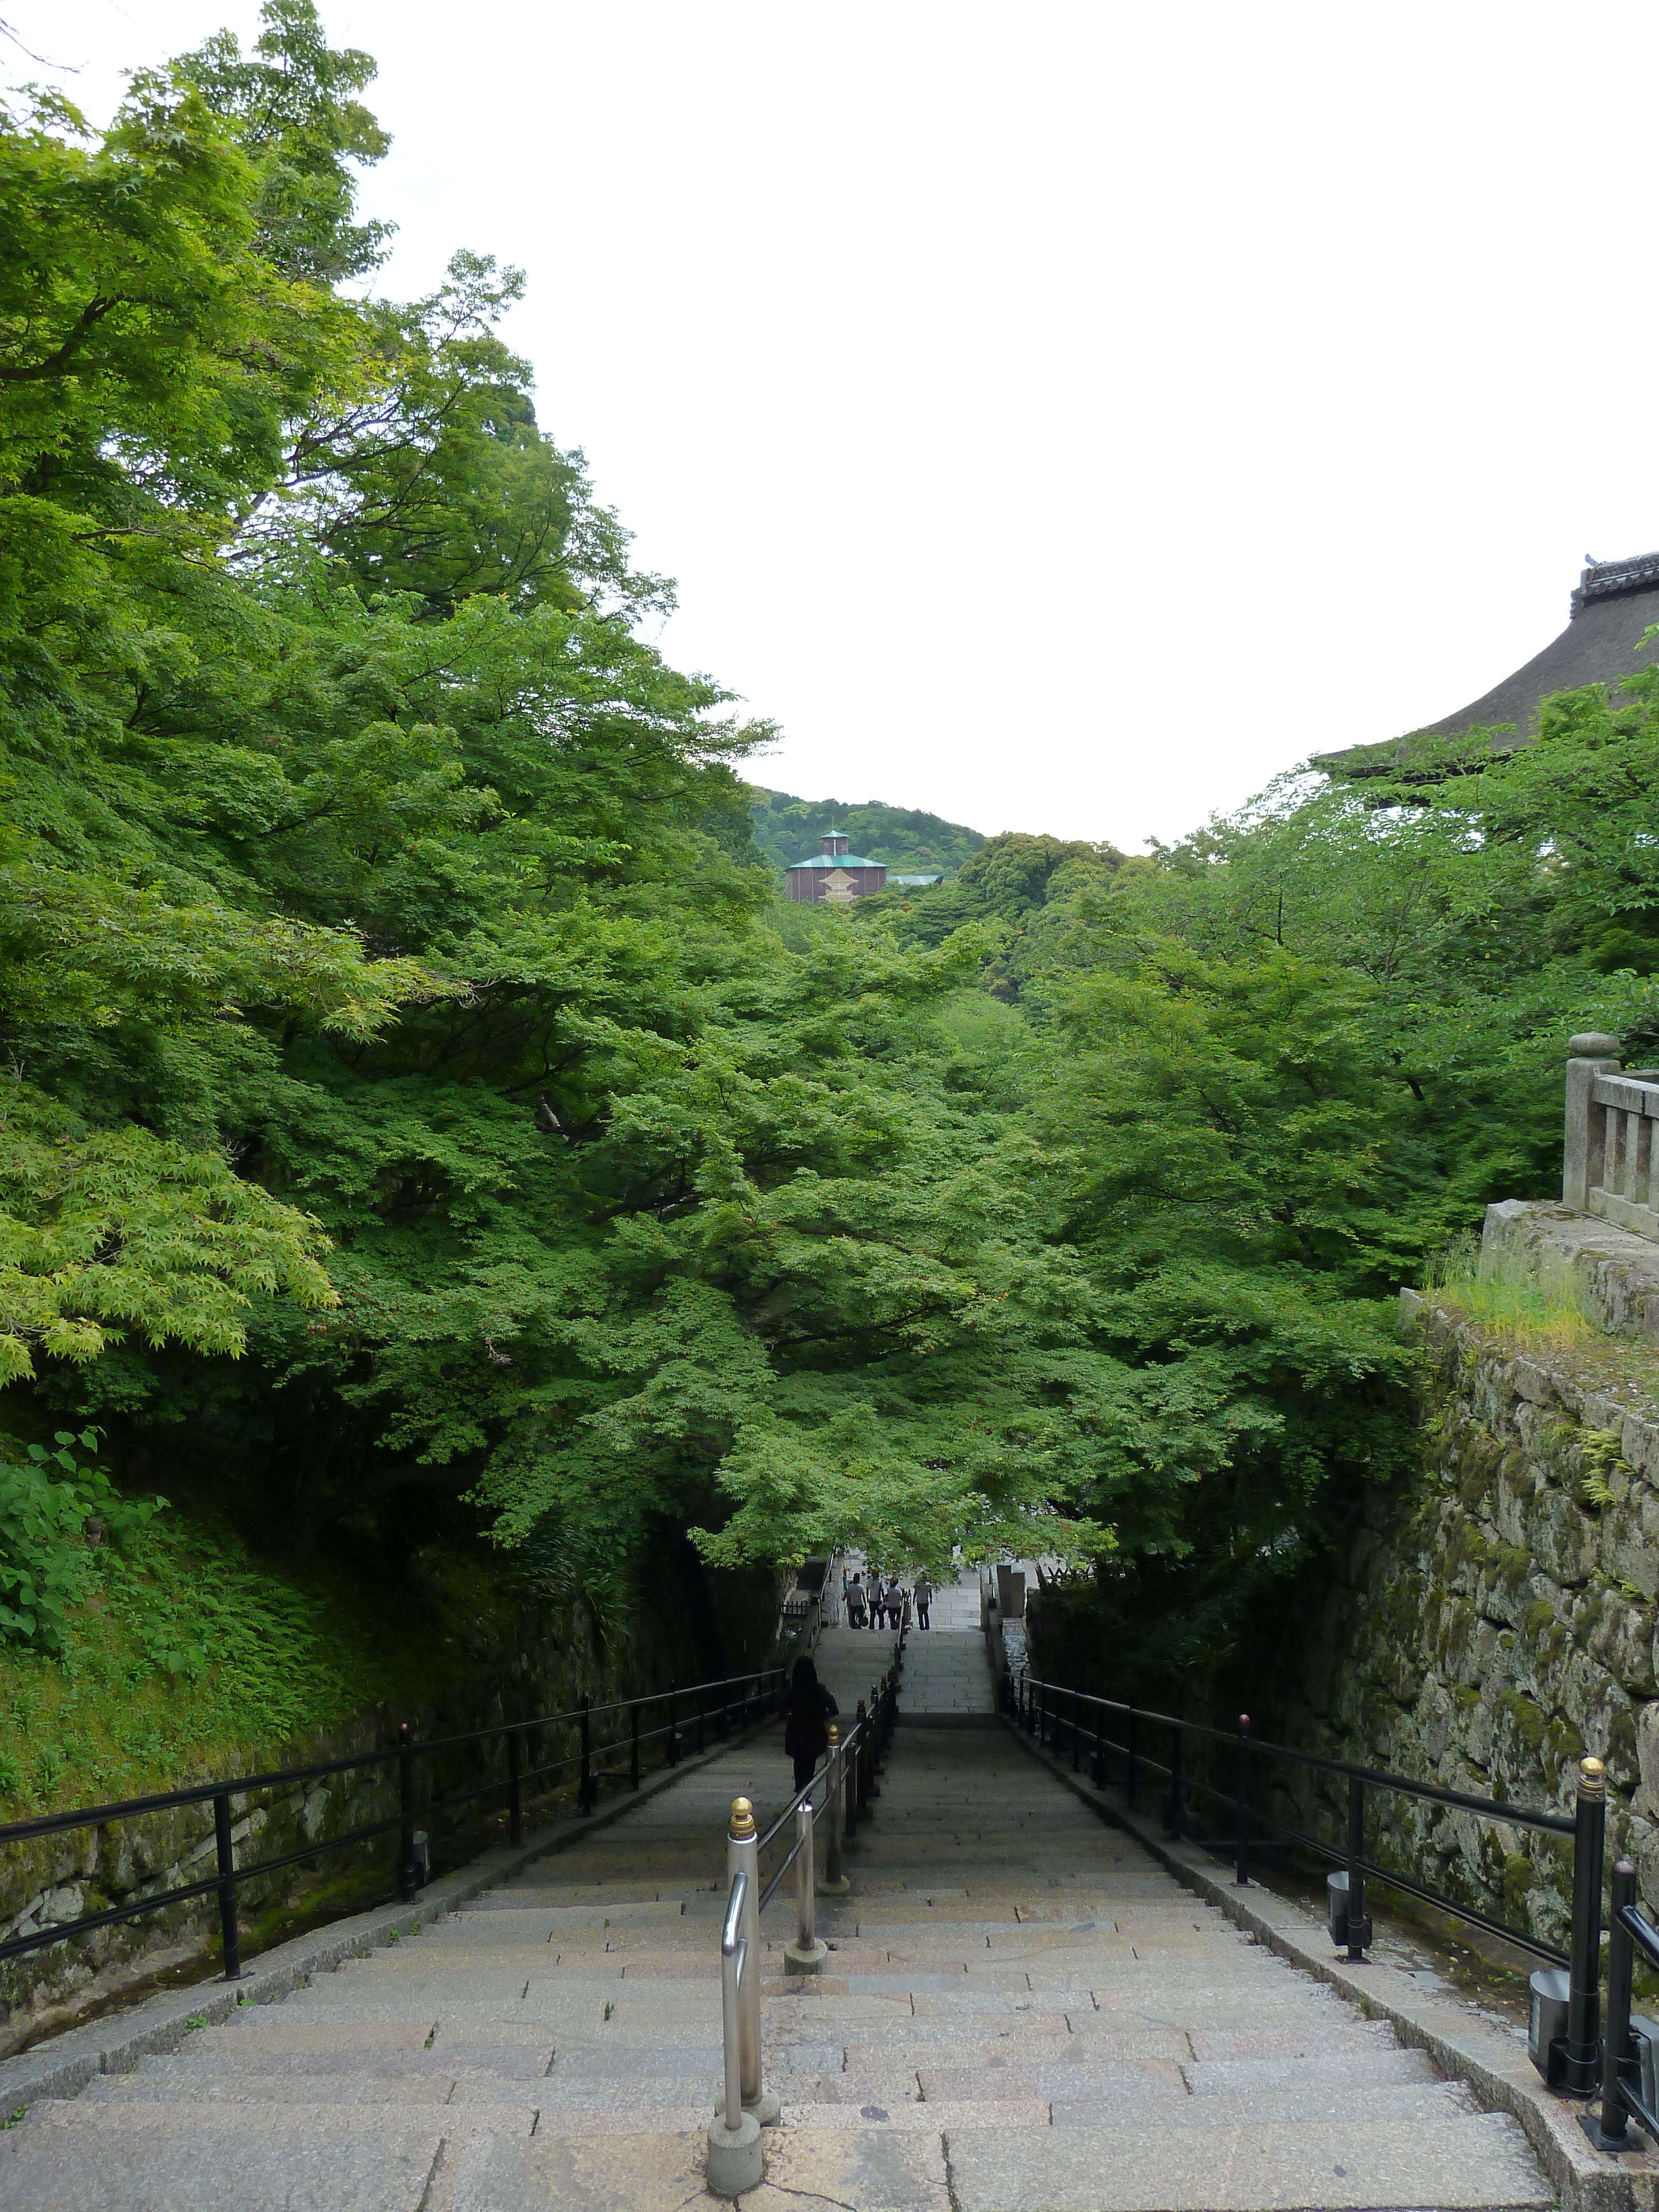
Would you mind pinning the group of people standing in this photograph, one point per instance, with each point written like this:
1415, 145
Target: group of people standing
879, 1604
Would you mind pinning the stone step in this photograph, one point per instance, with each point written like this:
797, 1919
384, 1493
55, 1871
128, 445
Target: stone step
1455, 2165
272, 2160
873, 2168
1247, 2076
1125, 2085
496, 2060
134, 2118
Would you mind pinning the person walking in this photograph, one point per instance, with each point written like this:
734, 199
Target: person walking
924, 1599
904, 1621
878, 1601
856, 1604
808, 1709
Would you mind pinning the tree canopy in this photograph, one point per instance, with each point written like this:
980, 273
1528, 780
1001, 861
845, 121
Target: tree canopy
420, 1107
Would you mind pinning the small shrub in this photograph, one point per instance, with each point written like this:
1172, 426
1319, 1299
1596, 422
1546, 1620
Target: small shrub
47, 1563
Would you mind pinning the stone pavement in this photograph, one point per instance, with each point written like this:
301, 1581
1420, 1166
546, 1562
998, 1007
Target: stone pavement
1024, 2013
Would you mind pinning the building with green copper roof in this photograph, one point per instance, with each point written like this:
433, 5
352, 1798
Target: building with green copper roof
834, 876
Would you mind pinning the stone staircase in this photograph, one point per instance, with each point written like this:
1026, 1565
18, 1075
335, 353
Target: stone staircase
1023, 2014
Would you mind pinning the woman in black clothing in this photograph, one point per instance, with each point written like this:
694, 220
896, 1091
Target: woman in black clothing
808, 1709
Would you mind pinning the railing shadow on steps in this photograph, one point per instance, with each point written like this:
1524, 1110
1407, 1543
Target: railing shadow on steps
1565, 2038
609, 1741
840, 1794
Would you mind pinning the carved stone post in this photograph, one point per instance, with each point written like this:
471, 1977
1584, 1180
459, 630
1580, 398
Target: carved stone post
1585, 1145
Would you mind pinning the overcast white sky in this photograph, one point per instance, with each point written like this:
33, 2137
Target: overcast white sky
1061, 416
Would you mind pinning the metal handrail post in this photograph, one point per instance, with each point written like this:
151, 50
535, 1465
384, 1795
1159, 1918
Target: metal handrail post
806, 1932
514, 1798
835, 1881
1098, 1763
634, 1747
849, 1786
229, 1924
1176, 1809
734, 1950
736, 2161
1585, 1994
875, 1739
1360, 1927
1610, 2131
805, 1955
588, 1791
742, 1858
409, 1872
1077, 1731
671, 1751
861, 1761
1131, 1764
1242, 1857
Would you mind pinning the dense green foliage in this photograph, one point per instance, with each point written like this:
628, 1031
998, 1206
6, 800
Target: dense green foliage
788, 831
422, 1112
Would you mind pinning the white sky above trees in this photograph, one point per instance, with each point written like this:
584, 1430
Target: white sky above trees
1061, 417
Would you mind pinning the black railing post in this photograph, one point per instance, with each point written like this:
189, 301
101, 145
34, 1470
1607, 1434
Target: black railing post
409, 1872
875, 1739
1242, 1870
1098, 1763
863, 1762
1360, 1928
634, 1747
671, 1756
1077, 1731
1584, 1974
230, 1929
1174, 1810
588, 1791
1610, 2132
514, 1798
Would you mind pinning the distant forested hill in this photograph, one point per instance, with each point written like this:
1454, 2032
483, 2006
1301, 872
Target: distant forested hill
787, 830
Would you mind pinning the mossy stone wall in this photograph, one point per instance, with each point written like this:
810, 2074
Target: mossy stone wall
1491, 1626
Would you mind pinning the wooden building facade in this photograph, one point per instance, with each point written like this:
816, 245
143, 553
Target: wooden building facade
834, 876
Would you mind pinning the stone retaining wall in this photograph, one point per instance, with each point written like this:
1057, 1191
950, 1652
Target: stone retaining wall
551, 1661
1490, 1627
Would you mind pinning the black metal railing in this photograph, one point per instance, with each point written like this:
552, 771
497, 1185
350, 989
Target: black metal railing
608, 1743
1629, 2052
1068, 1720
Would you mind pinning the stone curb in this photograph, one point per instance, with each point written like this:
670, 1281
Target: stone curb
1494, 2063
63, 2065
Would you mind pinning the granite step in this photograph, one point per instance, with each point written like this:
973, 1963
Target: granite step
1478, 2160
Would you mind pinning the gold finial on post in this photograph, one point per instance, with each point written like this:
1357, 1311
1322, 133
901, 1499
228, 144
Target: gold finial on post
742, 1819
1592, 1778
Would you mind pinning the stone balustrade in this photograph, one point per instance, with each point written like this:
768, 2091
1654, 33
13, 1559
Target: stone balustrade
1610, 1163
